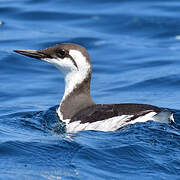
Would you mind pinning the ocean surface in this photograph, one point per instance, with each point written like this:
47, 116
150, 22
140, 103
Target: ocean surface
135, 51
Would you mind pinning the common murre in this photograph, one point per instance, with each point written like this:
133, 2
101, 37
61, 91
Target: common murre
77, 108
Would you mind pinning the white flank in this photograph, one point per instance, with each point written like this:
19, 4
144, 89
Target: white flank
111, 124
114, 123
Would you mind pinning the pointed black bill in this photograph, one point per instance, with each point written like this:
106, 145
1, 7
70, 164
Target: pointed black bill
31, 53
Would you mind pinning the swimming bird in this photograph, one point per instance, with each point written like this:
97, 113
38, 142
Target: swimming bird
77, 108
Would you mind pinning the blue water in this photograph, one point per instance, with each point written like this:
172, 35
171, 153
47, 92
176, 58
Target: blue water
135, 51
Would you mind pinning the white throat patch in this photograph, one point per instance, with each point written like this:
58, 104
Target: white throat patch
77, 75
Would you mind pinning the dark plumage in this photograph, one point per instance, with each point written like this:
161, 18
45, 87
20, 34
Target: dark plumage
100, 112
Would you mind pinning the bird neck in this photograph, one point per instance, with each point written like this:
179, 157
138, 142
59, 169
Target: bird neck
76, 96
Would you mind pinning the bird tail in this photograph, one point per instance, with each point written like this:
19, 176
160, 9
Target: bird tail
164, 117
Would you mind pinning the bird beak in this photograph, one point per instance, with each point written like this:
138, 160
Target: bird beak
31, 53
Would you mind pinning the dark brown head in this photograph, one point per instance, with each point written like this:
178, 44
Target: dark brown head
67, 57
71, 59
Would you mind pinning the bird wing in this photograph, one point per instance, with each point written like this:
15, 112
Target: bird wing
100, 112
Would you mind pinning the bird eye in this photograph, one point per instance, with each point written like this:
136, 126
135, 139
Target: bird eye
61, 53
